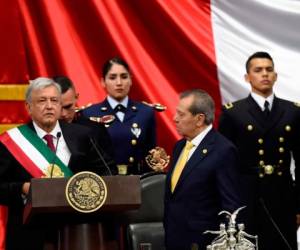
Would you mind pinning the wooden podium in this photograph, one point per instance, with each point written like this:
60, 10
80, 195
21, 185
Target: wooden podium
76, 230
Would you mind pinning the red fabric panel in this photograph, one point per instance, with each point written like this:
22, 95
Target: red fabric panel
168, 44
13, 112
13, 67
3, 218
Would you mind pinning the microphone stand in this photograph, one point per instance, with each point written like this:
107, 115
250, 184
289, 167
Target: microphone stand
100, 156
274, 224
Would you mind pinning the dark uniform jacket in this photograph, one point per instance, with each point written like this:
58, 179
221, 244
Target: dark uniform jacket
13, 175
265, 144
101, 138
207, 185
132, 138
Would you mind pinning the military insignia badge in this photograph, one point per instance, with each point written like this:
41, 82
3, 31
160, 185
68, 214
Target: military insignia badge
86, 192
157, 159
228, 105
136, 130
106, 119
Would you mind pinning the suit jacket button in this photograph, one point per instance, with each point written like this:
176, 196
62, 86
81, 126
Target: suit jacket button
288, 128
249, 127
261, 152
131, 159
281, 139
133, 142
135, 125
260, 141
281, 150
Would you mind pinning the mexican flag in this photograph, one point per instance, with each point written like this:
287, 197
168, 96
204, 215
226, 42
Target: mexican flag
226, 32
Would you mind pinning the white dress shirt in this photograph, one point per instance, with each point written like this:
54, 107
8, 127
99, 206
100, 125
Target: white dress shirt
62, 151
261, 100
113, 103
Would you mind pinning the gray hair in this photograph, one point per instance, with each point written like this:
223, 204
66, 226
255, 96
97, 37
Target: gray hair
40, 83
202, 104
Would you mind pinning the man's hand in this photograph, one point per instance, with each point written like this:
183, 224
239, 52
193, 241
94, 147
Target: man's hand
25, 188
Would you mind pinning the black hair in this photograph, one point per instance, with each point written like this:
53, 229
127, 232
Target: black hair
64, 82
108, 64
259, 54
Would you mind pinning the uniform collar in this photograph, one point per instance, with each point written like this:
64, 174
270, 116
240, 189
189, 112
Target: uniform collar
261, 100
113, 103
199, 138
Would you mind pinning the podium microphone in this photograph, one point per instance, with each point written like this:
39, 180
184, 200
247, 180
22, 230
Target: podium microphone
58, 135
100, 156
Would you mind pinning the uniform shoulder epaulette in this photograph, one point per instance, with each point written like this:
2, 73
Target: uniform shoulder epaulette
297, 104
79, 109
228, 105
156, 106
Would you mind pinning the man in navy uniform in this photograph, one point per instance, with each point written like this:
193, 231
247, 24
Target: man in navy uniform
133, 132
266, 131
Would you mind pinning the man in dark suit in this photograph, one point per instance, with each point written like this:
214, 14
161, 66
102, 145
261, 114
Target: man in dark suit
202, 180
24, 155
68, 114
266, 131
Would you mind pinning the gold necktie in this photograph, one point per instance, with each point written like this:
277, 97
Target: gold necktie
180, 164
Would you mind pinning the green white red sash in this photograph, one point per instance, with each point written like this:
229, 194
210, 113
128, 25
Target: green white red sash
32, 153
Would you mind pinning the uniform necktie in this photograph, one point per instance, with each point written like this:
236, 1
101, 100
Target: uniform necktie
267, 108
49, 140
120, 108
180, 164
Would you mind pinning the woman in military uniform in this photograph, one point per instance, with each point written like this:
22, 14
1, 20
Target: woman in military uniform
133, 131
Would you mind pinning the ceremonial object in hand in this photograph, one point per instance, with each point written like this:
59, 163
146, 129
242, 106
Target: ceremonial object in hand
157, 159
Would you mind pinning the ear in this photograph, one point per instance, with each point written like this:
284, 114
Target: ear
246, 77
103, 83
28, 109
275, 76
76, 96
200, 119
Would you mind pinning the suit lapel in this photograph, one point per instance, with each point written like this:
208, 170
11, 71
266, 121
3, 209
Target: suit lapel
199, 154
275, 115
256, 112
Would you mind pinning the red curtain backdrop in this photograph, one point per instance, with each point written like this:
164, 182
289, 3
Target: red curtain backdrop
167, 43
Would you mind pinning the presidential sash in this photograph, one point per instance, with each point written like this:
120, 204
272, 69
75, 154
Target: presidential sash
33, 154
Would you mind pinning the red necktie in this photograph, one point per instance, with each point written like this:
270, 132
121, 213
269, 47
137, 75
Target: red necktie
49, 140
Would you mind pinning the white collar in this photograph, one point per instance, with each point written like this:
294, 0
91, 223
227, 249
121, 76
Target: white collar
261, 100
113, 102
199, 138
41, 133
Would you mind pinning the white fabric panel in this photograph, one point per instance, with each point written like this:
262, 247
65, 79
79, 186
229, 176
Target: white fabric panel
245, 26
